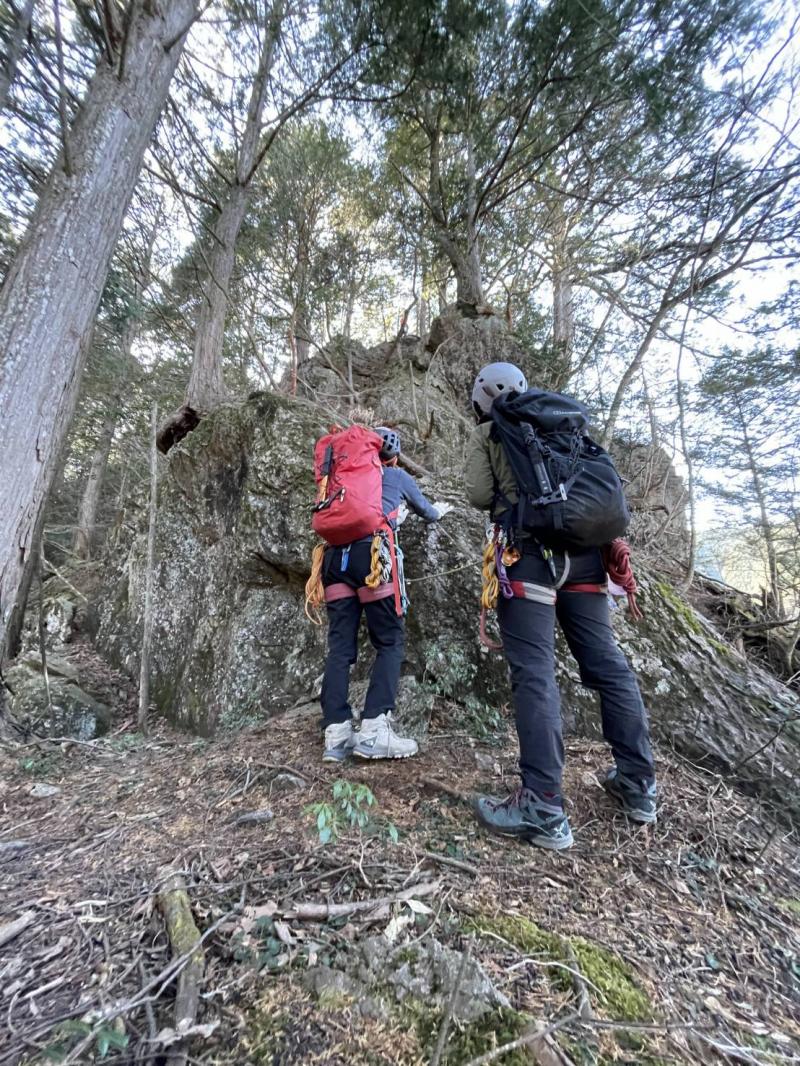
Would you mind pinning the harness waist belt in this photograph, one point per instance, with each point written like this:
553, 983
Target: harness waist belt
526, 590
585, 586
340, 591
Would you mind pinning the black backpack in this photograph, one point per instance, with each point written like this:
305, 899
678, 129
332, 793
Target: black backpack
571, 495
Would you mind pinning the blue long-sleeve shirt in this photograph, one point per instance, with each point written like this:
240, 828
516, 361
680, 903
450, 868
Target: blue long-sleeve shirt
398, 485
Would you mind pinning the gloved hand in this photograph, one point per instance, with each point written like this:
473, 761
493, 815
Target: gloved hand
443, 508
402, 513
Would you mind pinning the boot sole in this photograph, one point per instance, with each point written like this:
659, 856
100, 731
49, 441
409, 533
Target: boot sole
336, 758
531, 838
364, 755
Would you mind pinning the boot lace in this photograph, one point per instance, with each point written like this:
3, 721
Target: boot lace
510, 801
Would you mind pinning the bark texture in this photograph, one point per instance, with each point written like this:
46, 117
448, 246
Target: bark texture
463, 255
50, 296
147, 631
563, 308
90, 500
206, 388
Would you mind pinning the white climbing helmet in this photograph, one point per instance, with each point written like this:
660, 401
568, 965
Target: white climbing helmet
495, 380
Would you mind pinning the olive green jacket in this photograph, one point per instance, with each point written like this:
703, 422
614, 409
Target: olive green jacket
488, 470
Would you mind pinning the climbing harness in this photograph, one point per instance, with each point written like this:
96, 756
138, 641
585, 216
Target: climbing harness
386, 577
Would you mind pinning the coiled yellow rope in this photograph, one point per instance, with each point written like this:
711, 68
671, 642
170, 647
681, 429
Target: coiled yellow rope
491, 584
315, 592
373, 579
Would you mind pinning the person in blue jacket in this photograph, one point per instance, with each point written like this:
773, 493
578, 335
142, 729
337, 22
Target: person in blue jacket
344, 575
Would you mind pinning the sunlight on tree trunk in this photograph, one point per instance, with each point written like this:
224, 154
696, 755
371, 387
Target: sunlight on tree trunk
50, 295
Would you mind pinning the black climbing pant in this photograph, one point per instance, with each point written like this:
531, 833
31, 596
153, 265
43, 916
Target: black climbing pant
386, 632
528, 633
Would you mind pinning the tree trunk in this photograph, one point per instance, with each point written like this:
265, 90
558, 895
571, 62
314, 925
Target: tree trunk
206, 389
563, 310
300, 326
468, 276
464, 261
50, 295
87, 512
16, 44
766, 525
348, 311
147, 629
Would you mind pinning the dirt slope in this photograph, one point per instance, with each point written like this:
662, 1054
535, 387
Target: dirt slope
676, 945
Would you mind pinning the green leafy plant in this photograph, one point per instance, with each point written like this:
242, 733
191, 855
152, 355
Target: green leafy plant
40, 765
105, 1038
352, 807
260, 948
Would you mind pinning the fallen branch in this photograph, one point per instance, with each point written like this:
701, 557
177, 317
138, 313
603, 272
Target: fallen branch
11, 847
441, 786
321, 912
19, 925
412, 467
184, 937
457, 864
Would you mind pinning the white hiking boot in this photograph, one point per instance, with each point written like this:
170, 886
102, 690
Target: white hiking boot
377, 740
339, 741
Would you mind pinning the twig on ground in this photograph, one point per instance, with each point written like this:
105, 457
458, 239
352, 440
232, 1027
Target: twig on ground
524, 1041
457, 864
321, 912
442, 786
12, 929
579, 983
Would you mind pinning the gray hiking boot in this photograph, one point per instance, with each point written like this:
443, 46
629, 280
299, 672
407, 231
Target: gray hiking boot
524, 814
636, 798
338, 742
377, 740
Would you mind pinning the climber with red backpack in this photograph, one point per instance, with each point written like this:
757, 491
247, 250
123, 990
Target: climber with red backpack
358, 570
557, 513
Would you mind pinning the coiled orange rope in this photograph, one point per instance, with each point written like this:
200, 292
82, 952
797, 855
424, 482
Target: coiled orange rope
315, 592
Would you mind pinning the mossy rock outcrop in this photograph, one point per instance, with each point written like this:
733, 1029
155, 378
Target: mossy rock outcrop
233, 646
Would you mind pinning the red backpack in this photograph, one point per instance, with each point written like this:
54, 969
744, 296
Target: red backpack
347, 468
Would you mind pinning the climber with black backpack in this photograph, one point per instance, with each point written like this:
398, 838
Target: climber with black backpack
358, 569
557, 510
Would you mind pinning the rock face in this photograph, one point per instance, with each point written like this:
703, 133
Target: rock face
427, 974
232, 644
75, 713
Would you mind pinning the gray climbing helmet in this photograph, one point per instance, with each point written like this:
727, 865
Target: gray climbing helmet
496, 379
391, 442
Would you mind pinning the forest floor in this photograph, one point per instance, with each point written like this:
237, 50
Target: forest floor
674, 944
